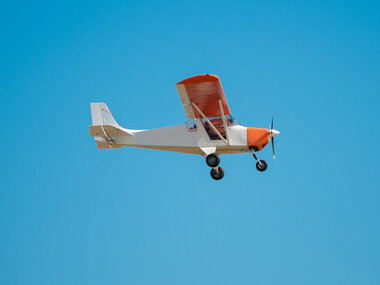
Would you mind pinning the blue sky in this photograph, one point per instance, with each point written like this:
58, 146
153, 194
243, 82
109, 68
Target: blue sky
73, 214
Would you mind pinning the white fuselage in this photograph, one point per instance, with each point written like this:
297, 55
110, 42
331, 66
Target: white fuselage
181, 139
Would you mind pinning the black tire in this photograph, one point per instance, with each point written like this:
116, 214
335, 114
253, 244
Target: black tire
213, 160
217, 175
261, 167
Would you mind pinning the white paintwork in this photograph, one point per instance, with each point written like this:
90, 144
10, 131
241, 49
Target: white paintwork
179, 139
101, 115
238, 135
175, 138
208, 150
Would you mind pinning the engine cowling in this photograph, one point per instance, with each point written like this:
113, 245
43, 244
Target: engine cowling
258, 138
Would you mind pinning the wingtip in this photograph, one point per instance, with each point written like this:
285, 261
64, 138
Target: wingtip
206, 77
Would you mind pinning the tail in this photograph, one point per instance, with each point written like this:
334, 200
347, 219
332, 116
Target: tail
101, 115
105, 130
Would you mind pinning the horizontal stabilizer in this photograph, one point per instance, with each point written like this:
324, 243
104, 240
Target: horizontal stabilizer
108, 136
112, 131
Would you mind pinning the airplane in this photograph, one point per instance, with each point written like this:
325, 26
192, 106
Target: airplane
210, 131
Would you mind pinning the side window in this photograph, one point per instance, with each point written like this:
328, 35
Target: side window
191, 125
218, 124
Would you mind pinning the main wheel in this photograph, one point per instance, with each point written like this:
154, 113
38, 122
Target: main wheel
261, 167
213, 160
217, 175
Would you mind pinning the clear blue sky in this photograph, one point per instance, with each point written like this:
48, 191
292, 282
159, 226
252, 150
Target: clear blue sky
73, 214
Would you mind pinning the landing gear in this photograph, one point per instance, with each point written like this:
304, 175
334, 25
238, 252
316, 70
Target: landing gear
213, 161
217, 173
262, 165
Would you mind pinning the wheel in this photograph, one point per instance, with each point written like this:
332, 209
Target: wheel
213, 160
261, 167
217, 175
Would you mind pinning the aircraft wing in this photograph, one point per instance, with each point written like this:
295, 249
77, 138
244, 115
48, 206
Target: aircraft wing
204, 91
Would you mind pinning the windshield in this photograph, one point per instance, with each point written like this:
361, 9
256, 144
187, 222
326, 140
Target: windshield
231, 121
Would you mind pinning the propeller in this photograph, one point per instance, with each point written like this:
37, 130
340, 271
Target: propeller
272, 134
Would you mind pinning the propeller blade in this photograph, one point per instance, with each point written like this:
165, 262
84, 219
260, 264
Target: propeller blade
271, 125
272, 139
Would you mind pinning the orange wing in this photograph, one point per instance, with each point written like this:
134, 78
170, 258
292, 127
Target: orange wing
205, 91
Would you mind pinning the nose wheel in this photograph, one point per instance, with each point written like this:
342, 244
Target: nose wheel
213, 161
261, 165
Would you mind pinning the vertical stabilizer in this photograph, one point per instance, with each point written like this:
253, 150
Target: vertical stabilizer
105, 130
101, 115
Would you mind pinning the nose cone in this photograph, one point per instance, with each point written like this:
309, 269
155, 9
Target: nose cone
273, 133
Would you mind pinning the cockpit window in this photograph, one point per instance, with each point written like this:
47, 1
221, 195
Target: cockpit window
191, 125
218, 124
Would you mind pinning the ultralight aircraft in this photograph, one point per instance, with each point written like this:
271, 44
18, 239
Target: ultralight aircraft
210, 131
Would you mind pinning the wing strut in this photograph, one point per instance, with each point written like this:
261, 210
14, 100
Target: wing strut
211, 125
224, 121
